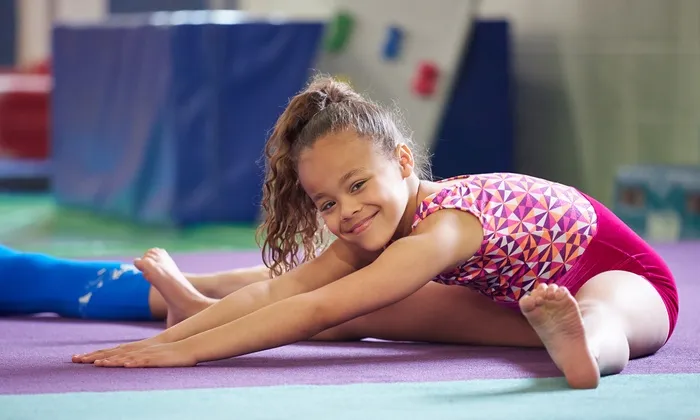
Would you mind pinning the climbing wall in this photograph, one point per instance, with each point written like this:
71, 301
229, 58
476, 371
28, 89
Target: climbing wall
380, 47
403, 51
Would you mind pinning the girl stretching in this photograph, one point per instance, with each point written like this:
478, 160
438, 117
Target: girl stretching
560, 269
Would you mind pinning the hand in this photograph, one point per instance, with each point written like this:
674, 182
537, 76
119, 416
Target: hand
115, 351
160, 355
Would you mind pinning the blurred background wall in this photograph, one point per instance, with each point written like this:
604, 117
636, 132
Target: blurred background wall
596, 85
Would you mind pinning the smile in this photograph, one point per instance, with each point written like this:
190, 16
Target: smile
362, 225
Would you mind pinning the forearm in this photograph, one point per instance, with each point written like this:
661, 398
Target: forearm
230, 308
262, 330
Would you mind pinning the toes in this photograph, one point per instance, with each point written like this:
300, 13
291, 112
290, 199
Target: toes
561, 293
158, 252
539, 291
551, 290
139, 263
528, 303
152, 253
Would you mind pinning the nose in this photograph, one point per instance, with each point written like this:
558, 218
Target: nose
349, 207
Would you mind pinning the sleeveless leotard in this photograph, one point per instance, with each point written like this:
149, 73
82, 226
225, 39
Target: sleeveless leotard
538, 231
534, 231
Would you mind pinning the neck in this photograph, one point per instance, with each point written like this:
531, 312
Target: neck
404, 228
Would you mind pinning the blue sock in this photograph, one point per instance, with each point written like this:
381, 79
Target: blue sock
34, 283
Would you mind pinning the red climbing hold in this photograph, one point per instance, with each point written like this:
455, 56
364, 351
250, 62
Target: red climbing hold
426, 77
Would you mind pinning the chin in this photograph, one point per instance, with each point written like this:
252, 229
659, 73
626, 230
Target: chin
376, 243
372, 247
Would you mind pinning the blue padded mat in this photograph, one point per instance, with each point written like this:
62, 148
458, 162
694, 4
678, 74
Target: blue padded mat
479, 116
163, 121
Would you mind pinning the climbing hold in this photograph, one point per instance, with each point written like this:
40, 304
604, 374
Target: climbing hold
339, 32
343, 78
392, 43
425, 80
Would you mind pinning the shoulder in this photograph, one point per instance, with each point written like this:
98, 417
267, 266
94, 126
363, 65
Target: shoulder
453, 232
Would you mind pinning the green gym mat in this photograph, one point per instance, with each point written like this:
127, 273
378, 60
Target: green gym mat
34, 223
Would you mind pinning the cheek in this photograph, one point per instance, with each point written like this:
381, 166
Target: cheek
393, 203
332, 224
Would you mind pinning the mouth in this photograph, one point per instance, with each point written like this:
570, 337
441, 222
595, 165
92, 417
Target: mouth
362, 225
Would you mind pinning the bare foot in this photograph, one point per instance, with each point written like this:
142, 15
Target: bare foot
180, 295
555, 316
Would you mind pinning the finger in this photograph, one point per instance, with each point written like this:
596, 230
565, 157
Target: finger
90, 357
113, 361
77, 358
102, 354
138, 362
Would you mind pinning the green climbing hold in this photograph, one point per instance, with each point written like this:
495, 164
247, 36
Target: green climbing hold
339, 32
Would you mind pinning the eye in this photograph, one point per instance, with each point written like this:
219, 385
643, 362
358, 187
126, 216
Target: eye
327, 206
356, 186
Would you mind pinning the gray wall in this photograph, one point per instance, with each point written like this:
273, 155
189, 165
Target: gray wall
602, 83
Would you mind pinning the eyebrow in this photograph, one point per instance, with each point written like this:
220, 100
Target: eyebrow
350, 174
343, 179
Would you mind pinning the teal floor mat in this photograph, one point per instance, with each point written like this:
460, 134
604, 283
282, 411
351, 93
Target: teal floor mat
666, 397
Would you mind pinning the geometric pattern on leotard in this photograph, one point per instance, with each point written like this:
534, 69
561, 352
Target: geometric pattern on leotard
534, 231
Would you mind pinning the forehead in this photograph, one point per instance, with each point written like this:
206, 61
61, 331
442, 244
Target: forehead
333, 156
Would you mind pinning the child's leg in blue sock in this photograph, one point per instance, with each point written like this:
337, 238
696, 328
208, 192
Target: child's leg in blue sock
33, 283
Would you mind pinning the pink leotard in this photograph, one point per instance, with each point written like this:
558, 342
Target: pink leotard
541, 231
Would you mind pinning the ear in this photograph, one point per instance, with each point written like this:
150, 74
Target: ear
405, 158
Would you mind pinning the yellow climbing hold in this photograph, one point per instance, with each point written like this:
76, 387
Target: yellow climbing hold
343, 78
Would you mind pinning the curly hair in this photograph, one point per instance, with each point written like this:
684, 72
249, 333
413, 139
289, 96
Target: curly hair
292, 230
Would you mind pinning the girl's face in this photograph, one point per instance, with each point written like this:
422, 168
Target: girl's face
360, 192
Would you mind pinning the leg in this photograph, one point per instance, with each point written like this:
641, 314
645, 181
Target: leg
614, 317
220, 285
440, 314
108, 290
32, 283
176, 296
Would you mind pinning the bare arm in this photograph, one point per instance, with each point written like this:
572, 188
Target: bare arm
337, 261
440, 242
221, 284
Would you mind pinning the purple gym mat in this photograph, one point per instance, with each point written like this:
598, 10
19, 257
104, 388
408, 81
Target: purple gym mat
35, 352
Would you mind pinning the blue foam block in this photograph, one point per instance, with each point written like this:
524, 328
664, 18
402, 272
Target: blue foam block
164, 120
660, 202
477, 131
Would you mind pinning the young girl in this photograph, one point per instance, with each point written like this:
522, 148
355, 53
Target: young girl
593, 292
